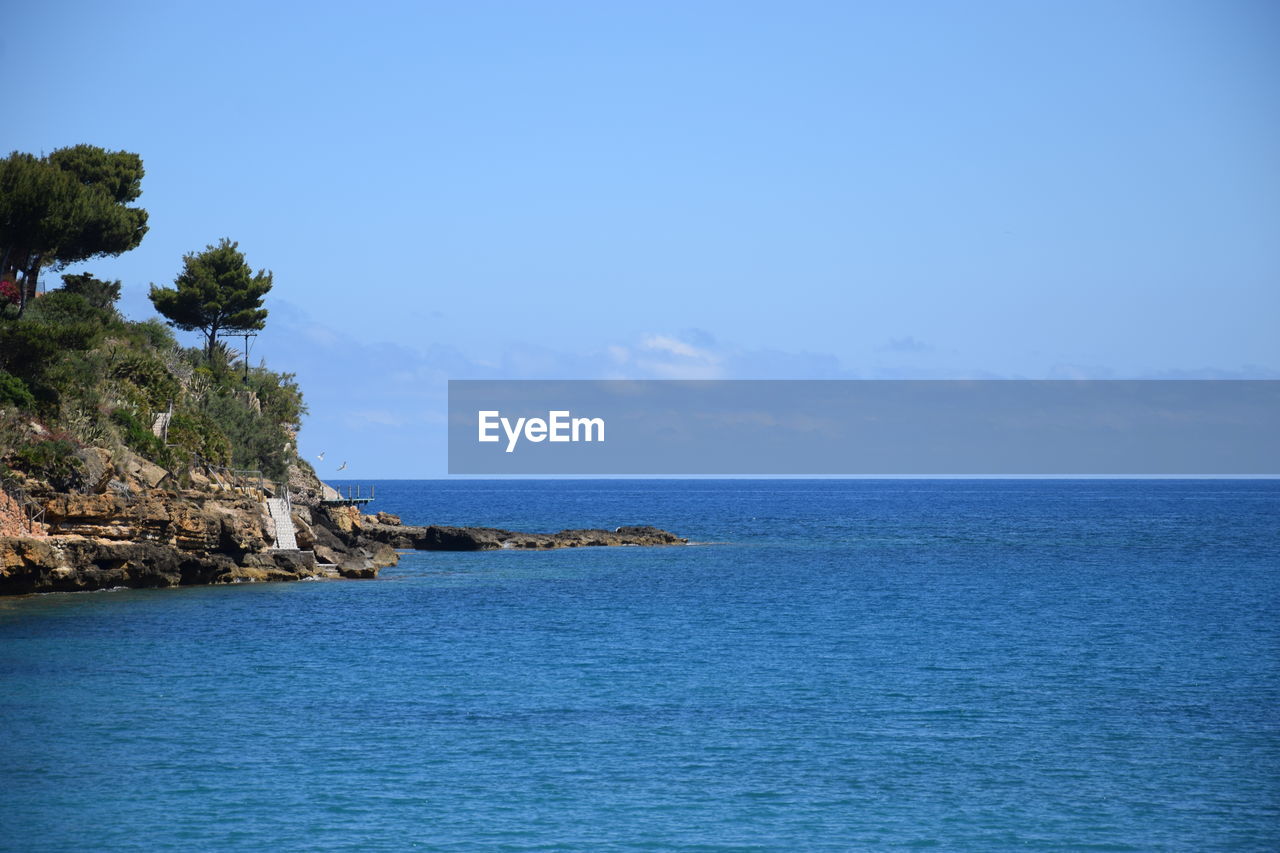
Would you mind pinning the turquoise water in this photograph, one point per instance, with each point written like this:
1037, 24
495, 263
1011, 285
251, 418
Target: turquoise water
853, 665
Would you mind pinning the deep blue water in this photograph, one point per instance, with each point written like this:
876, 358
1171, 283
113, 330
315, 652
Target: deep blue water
965, 665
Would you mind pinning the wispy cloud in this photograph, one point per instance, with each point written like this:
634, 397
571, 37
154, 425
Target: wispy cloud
906, 344
382, 405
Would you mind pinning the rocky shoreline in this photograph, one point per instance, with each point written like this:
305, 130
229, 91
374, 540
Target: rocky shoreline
444, 538
150, 536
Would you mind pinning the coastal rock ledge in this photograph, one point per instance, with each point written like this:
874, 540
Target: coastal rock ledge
165, 538
79, 563
442, 538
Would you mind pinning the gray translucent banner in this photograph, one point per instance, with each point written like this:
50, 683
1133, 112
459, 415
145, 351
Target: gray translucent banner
871, 427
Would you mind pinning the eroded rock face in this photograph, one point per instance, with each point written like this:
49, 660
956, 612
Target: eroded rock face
155, 538
304, 485
98, 469
188, 520
73, 563
303, 530
343, 519
125, 533
148, 474
14, 520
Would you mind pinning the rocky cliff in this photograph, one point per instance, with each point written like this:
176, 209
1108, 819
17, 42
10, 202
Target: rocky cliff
130, 531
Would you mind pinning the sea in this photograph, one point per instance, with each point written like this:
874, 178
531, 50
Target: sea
830, 665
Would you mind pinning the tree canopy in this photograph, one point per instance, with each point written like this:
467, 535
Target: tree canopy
99, 293
74, 373
216, 291
67, 207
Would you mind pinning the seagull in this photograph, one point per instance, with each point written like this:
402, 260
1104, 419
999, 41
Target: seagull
342, 467
321, 456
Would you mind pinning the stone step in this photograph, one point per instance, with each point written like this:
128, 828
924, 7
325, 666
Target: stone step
286, 538
160, 424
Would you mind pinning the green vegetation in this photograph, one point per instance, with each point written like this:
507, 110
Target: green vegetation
14, 392
74, 373
216, 290
68, 207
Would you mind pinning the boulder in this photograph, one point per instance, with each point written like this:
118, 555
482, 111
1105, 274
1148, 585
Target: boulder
382, 555
344, 518
357, 564
146, 474
302, 530
98, 468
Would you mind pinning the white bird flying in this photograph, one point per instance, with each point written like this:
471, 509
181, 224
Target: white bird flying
321, 456
342, 467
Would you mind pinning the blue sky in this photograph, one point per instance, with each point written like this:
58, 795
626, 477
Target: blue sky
696, 190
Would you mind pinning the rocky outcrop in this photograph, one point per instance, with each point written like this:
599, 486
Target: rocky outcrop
233, 524
98, 468
128, 532
14, 518
73, 563
148, 537
442, 538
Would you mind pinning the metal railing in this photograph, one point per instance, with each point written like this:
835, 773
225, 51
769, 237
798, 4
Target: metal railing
32, 510
236, 479
257, 482
355, 493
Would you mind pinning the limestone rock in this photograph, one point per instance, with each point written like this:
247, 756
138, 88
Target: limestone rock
190, 521
345, 518
357, 566
146, 474
304, 486
98, 468
382, 555
303, 531
129, 532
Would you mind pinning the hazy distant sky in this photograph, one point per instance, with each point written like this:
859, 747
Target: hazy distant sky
693, 189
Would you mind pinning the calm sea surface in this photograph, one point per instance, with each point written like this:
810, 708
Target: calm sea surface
852, 665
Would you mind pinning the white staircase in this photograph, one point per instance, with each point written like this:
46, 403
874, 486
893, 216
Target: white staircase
285, 538
160, 425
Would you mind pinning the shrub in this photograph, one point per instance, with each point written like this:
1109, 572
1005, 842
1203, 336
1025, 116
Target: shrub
256, 442
137, 437
26, 349
154, 333
14, 392
99, 294
143, 370
53, 460
63, 308
196, 434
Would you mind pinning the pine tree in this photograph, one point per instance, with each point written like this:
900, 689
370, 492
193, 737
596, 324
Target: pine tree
216, 291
